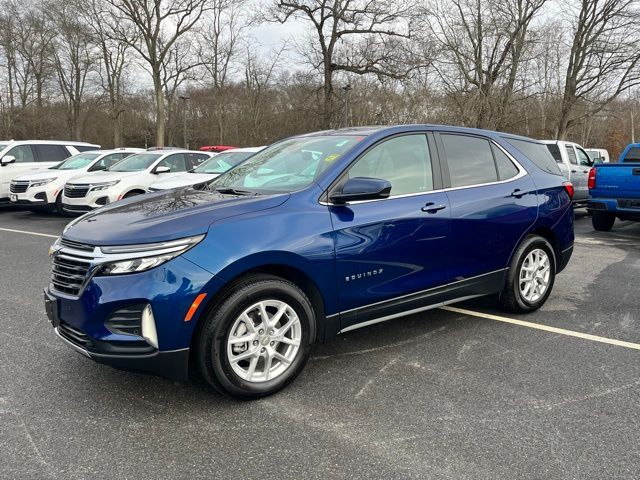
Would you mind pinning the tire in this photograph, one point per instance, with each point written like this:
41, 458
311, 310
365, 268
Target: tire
58, 206
249, 378
516, 297
602, 221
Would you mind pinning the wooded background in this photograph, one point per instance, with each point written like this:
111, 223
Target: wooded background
133, 72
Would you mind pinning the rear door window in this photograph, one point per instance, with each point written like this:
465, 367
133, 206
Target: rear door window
195, 159
51, 153
175, 162
23, 153
571, 154
469, 159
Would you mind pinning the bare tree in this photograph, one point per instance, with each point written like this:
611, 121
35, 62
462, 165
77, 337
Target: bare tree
355, 36
604, 60
115, 55
74, 57
160, 23
219, 40
482, 44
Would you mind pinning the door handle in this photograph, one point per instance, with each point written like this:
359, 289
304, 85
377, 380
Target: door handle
432, 207
574, 171
517, 193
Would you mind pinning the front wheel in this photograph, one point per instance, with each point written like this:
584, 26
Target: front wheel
531, 276
602, 221
258, 339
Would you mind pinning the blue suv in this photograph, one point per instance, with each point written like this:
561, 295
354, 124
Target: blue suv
316, 235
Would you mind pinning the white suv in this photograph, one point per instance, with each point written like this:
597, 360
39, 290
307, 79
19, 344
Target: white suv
18, 157
43, 188
131, 176
208, 170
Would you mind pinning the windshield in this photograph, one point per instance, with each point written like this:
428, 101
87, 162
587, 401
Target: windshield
286, 166
135, 163
80, 160
222, 162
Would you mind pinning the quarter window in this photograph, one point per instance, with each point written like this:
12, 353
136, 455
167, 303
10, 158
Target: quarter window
23, 153
469, 159
404, 161
506, 168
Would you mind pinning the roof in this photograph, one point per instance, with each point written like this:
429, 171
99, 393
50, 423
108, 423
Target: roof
49, 142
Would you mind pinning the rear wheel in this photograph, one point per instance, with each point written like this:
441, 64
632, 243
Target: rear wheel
602, 221
258, 339
531, 276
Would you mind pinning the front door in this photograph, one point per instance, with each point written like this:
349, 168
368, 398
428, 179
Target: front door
396, 247
26, 161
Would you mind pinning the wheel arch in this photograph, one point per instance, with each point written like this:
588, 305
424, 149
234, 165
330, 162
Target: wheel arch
285, 271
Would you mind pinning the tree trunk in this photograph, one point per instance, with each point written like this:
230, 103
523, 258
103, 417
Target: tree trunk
159, 97
327, 110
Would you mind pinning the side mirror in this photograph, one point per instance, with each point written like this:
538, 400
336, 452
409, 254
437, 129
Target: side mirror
161, 170
7, 159
361, 188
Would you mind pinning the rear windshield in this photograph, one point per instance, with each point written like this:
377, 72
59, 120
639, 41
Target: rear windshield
135, 163
633, 155
222, 162
538, 153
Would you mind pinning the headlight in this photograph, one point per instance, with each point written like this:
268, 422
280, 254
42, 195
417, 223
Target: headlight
44, 181
138, 258
103, 186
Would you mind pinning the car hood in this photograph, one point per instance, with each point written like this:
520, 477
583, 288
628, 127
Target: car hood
46, 173
103, 177
184, 180
162, 216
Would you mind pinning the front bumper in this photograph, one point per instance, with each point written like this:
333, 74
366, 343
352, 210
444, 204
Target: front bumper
92, 324
34, 197
172, 365
92, 200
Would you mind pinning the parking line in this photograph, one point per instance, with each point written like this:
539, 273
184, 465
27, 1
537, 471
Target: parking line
546, 328
28, 233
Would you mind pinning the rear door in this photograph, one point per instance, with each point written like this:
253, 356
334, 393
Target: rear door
493, 203
26, 161
581, 177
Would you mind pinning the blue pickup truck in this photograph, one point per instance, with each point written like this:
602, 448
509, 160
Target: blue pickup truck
614, 189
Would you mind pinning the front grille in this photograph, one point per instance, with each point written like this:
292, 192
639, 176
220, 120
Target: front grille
70, 268
19, 187
76, 191
74, 335
75, 245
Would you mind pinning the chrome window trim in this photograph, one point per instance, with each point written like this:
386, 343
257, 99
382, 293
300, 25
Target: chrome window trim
521, 173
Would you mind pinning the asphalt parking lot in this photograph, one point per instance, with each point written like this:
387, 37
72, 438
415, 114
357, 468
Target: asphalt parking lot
441, 394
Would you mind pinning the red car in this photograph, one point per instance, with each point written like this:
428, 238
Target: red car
216, 148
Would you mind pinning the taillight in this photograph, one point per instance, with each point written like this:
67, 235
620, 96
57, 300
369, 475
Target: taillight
568, 186
592, 179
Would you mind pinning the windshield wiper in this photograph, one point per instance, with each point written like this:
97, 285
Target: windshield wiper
235, 191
